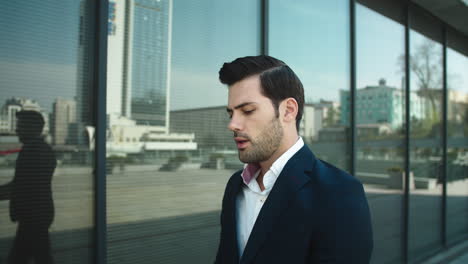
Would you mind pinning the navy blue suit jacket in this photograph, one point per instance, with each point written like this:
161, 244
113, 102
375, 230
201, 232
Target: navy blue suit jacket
315, 213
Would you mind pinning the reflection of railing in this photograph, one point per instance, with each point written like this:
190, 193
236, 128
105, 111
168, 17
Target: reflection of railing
392, 143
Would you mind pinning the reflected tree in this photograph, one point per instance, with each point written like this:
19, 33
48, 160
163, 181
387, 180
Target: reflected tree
426, 66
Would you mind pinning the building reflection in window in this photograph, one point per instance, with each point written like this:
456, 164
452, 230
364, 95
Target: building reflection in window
380, 126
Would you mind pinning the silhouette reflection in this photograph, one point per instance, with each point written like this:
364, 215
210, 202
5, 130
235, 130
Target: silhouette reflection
30, 193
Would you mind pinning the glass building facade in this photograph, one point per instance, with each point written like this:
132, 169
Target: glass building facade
135, 119
150, 56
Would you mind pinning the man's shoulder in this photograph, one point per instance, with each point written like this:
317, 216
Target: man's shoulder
336, 185
327, 178
319, 170
328, 172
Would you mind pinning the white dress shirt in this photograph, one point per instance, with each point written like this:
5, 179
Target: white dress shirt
251, 199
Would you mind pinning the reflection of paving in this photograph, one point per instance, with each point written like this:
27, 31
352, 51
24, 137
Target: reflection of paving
131, 196
460, 260
168, 216
157, 194
425, 219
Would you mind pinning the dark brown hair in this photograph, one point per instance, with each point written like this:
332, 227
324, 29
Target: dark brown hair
277, 80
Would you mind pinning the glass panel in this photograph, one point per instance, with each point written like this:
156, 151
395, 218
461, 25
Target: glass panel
169, 151
46, 179
299, 34
380, 115
425, 146
457, 152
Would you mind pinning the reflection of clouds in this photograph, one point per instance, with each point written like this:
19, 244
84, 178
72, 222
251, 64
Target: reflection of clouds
194, 89
39, 81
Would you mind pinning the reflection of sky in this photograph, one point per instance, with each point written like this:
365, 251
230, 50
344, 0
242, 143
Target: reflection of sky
379, 45
312, 38
457, 71
205, 35
38, 48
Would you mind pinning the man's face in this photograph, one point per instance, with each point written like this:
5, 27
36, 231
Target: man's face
257, 129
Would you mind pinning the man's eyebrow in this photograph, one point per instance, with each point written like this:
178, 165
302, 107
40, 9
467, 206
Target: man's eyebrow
239, 106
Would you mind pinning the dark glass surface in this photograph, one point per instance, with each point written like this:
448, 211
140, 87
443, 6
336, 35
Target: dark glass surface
380, 126
457, 141
425, 215
299, 35
46, 170
169, 152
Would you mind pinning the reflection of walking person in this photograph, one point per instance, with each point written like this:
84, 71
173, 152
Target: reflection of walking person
30, 192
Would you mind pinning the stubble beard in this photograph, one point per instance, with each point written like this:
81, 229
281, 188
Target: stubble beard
264, 145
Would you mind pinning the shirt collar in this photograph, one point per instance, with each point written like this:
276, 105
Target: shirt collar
251, 170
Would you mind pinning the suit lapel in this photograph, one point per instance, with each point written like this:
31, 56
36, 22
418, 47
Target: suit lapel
291, 179
236, 186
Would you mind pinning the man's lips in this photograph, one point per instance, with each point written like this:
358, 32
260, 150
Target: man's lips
241, 142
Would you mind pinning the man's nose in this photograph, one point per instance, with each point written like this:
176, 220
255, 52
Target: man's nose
235, 124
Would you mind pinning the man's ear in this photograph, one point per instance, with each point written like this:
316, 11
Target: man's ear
290, 109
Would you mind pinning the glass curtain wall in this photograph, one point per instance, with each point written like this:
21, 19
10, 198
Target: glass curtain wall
380, 125
46, 131
426, 97
457, 141
169, 152
313, 39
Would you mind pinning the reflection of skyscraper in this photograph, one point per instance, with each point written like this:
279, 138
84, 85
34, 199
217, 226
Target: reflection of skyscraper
115, 63
85, 62
64, 114
138, 76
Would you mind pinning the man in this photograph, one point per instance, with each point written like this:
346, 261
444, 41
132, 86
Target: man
30, 192
285, 206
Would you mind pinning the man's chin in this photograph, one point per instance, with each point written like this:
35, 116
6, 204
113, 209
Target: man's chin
245, 159
242, 158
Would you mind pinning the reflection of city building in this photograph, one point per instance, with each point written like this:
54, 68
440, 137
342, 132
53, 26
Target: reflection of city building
333, 134
457, 107
63, 120
115, 63
125, 136
372, 130
381, 104
312, 121
14, 105
85, 59
138, 76
149, 57
330, 111
317, 116
208, 124
8, 118
457, 97
341, 133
